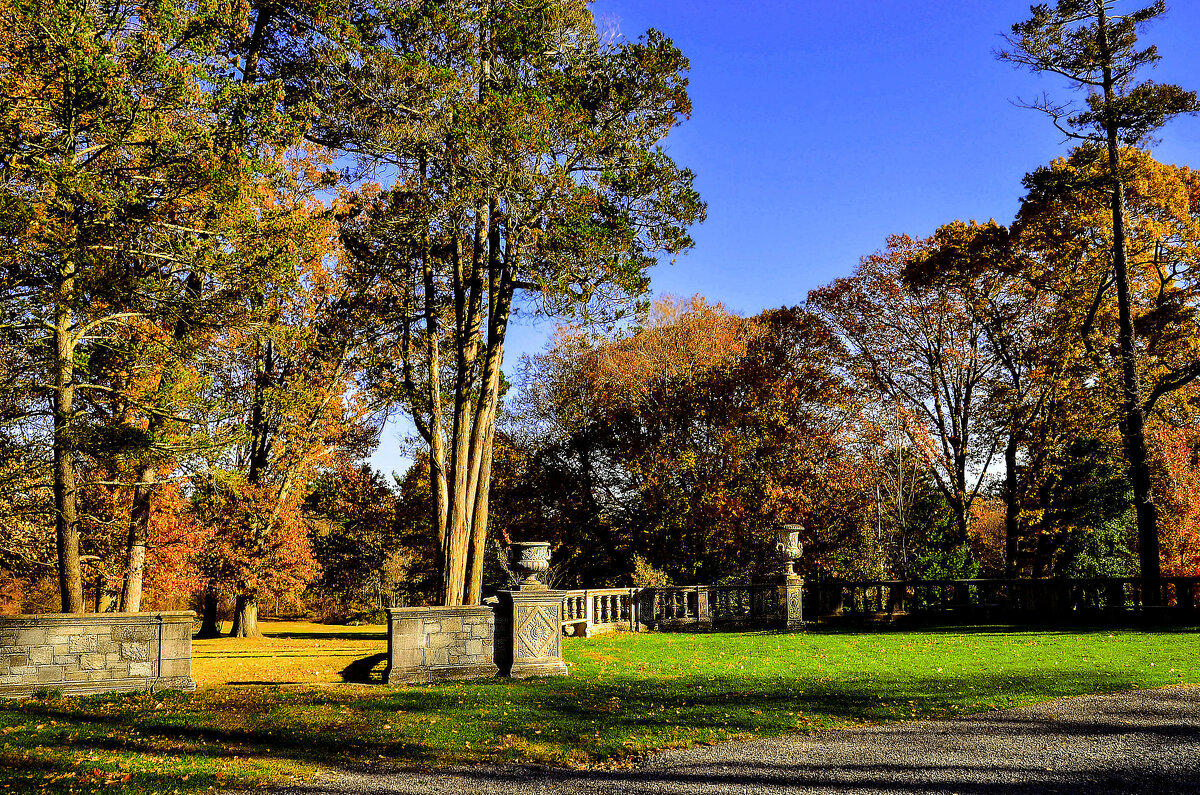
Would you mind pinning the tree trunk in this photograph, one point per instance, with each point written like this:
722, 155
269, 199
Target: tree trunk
66, 519
1012, 508
147, 483
135, 553
484, 432
210, 625
245, 617
479, 524
1133, 425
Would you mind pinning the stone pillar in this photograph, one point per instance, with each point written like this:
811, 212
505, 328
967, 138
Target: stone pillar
791, 601
529, 633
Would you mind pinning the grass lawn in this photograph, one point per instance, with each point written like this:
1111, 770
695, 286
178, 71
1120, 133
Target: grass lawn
301, 700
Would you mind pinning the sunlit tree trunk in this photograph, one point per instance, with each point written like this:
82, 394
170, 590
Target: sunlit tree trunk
245, 617
66, 518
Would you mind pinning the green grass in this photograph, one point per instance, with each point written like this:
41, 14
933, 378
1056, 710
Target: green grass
627, 695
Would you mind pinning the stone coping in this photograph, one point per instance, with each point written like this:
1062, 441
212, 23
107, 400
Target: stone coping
402, 611
165, 615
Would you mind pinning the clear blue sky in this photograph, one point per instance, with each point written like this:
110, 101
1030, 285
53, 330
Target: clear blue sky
821, 127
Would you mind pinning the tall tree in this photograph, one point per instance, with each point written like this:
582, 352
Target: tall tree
114, 175
1097, 50
529, 172
987, 267
294, 405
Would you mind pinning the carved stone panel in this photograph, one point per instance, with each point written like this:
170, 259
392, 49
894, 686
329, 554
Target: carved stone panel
536, 635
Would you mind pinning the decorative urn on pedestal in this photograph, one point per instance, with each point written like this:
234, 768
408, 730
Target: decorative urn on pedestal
529, 559
791, 592
529, 620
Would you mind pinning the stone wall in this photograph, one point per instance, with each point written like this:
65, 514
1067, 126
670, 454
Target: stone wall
95, 652
431, 644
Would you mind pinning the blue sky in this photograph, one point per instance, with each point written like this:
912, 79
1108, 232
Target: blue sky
821, 127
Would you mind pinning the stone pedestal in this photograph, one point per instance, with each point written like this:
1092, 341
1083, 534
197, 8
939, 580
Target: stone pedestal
529, 633
791, 601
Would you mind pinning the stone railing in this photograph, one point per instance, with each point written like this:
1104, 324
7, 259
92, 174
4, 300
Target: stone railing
95, 652
1010, 599
593, 611
589, 612
751, 605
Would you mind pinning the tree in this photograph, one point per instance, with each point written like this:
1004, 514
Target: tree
357, 539
687, 441
997, 277
926, 354
1097, 51
1176, 473
528, 167
1065, 226
115, 184
293, 406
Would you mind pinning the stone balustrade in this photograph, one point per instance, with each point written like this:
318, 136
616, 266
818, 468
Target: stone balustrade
598, 610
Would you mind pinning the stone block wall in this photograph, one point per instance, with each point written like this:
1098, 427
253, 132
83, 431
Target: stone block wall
95, 652
432, 644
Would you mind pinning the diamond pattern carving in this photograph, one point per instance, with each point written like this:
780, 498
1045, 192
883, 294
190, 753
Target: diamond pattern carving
535, 632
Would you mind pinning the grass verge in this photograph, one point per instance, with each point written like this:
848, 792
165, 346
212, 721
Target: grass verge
627, 695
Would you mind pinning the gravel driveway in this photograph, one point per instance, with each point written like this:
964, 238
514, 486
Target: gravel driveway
1141, 742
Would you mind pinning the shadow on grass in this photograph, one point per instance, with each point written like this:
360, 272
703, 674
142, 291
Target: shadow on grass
326, 726
380, 635
363, 671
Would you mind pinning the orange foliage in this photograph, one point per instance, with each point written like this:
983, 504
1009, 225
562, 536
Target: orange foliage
263, 544
1175, 473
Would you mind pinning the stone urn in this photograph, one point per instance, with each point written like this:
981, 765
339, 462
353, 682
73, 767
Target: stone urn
789, 547
528, 559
